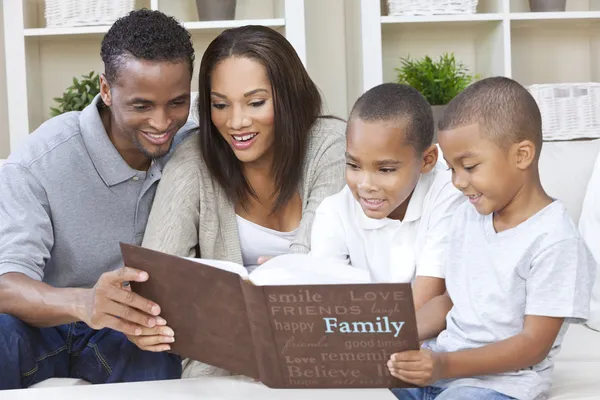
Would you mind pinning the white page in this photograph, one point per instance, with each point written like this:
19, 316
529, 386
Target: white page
303, 269
224, 265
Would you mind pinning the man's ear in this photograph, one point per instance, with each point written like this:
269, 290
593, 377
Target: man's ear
430, 157
525, 153
105, 90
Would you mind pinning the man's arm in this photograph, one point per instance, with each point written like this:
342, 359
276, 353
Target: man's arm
26, 240
37, 303
107, 305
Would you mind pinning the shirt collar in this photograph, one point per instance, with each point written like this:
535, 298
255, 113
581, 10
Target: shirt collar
414, 210
111, 167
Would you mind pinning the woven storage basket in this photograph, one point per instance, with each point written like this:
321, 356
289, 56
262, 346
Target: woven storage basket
64, 13
569, 110
431, 7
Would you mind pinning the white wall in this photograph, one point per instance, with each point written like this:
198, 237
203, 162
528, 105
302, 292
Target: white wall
326, 51
4, 144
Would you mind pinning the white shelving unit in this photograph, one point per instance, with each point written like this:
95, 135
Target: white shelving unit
502, 38
41, 62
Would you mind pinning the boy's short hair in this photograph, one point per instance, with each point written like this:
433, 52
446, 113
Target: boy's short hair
505, 110
148, 35
398, 104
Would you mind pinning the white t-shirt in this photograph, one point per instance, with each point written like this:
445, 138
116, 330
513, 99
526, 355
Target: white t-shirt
540, 267
257, 240
390, 250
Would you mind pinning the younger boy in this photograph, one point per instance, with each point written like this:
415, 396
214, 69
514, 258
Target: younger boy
517, 272
392, 217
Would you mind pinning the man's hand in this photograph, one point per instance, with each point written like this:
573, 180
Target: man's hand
110, 305
420, 367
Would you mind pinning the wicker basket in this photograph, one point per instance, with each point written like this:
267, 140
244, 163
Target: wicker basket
431, 7
569, 110
64, 13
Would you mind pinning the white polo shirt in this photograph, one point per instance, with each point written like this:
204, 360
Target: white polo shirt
390, 250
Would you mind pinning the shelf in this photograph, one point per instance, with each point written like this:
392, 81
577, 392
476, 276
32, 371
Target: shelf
191, 26
567, 15
542, 53
477, 44
442, 18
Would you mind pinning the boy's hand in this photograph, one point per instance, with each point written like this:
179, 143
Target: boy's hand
420, 367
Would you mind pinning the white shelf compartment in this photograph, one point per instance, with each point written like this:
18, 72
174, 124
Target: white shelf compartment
478, 44
556, 51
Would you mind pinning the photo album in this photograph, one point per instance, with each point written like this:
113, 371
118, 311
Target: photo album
295, 321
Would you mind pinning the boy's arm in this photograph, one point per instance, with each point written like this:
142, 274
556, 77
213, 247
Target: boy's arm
557, 288
424, 367
328, 238
429, 281
431, 318
531, 346
521, 351
427, 288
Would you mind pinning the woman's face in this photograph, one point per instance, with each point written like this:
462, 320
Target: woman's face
242, 107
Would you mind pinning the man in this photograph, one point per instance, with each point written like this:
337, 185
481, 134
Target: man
82, 183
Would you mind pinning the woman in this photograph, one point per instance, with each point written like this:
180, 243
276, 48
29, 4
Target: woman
247, 186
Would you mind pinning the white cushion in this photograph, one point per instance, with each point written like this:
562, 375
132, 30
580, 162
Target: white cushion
589, 226
58, 382
565, 169
572, 380
580, 344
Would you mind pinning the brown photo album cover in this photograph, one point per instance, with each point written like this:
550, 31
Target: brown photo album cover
293, 322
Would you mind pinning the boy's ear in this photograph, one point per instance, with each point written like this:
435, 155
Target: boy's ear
105, 90
525, 153
430, 157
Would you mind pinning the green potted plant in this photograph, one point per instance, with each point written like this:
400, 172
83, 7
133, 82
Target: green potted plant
439, 81
77, 96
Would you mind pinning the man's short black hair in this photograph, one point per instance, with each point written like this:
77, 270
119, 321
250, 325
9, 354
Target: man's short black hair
504, 109
145, 35
398, 104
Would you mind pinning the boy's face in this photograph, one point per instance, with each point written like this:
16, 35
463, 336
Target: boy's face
481, 169
382, 170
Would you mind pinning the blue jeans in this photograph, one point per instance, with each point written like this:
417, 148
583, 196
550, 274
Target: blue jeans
30, 355
455, 393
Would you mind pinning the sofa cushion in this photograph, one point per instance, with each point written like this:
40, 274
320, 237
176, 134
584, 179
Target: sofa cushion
580, 344
589, 226
574, 380
565, 170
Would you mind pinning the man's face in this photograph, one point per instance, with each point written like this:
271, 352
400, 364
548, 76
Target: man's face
150, 102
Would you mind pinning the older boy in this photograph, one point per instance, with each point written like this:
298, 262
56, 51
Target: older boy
517, 272
392, 217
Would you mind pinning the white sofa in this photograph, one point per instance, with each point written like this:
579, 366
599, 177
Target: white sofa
565, 169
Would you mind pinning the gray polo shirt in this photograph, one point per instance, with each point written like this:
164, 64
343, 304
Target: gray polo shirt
67, 198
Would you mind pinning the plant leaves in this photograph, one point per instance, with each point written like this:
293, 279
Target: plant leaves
439, 81
78, 95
